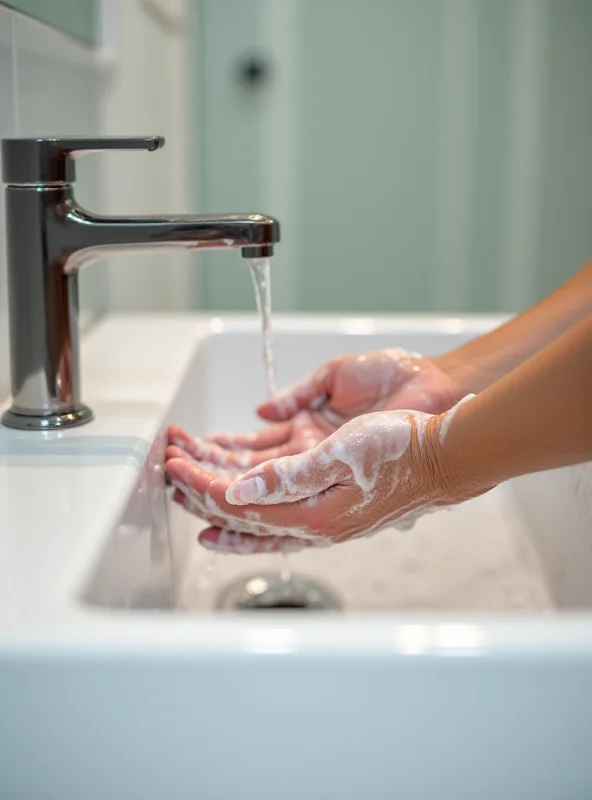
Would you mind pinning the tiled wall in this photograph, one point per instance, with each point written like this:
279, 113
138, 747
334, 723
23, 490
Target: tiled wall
50, 84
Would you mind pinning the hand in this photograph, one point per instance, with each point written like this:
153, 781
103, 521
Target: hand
377, 469
230, 457
315, 407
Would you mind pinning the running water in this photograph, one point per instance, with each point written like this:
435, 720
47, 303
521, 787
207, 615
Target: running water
260, 274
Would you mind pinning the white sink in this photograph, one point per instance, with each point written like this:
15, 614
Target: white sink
460, 664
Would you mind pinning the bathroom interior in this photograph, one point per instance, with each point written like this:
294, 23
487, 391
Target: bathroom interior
417, 173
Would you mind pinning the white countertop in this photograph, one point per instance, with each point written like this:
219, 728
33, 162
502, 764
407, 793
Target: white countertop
61, 492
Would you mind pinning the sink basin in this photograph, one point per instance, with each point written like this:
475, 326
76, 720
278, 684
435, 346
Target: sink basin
457, 664
477, 557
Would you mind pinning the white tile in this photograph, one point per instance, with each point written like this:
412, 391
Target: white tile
6, 129
57, 80
59, 85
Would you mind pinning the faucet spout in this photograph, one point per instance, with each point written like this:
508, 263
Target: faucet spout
87, 237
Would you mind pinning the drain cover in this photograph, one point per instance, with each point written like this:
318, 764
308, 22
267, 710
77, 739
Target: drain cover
271, 591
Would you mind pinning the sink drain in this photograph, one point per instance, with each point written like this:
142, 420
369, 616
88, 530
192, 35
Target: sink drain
269, 591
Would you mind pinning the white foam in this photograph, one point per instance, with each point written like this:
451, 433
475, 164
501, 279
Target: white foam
443, 432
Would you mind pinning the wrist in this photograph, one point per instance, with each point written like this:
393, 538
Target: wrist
477, 365
467, 465
464, 370
447, 470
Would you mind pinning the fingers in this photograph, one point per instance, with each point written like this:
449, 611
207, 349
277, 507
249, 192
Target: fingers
176, 452
204, 495
316, 519
310, 392
286, 480
213, 455
226, 541
198, 449
274, 436
208, 466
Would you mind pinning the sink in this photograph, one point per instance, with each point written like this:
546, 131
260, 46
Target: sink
456, 661
478, 557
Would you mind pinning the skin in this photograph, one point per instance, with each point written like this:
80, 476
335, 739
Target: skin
315, 498
535, 416
346, 387
487, 359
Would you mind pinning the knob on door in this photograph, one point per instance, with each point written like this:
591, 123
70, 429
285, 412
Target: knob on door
254, 71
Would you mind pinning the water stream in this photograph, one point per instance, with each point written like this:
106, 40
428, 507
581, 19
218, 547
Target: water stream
260, 273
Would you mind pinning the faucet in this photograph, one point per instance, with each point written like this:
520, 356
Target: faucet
50, 237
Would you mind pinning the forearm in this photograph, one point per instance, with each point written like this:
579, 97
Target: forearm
537, 417
485, 360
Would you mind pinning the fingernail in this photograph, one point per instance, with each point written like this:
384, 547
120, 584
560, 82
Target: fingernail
249, 490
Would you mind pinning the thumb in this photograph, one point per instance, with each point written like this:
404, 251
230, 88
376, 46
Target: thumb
287, 479
308, 393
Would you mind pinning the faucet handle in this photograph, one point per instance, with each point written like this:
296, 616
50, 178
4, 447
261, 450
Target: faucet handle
51, 160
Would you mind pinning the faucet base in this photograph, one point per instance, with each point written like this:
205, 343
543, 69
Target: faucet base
79, 415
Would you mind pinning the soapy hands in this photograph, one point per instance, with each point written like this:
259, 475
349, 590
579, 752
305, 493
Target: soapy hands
373, 381
376, 469
313, 497
387, 465
231, 455
316, 406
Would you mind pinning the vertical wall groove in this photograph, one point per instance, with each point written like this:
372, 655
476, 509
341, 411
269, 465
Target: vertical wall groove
526, 96
455, 153
278, 143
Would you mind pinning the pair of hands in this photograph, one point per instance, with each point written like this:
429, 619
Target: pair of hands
338, 461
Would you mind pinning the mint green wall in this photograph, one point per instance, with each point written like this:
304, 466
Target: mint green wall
76, 17
372, 137
228, 126
566, 224
492, 65
366, 167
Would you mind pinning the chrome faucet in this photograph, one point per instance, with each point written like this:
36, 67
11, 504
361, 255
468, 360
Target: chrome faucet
49, 238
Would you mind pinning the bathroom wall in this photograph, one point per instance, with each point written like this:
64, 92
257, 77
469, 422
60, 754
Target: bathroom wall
146, 91
130, 81
422, 156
